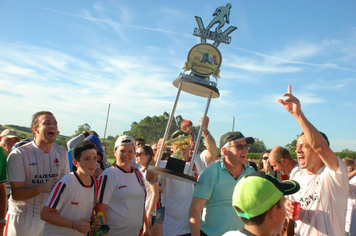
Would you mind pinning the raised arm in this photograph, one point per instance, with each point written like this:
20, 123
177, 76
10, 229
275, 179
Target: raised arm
73, 141
316, 141
211, 149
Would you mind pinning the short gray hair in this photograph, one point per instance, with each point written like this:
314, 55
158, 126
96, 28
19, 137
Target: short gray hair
227, 145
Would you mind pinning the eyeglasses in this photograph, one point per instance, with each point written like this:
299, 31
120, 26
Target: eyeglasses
265, 158
241, 147
138, 154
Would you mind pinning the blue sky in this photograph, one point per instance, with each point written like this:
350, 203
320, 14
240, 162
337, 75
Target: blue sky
75, 57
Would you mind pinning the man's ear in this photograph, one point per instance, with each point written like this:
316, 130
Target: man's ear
271, 213
34, 130
224, 150
75, 163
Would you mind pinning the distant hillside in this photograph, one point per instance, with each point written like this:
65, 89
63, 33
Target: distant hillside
25, 132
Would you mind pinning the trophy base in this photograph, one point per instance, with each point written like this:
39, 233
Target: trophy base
171, 174
196, 88
175, 164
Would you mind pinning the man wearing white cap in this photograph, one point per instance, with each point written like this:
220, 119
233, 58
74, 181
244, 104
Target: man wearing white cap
8, 138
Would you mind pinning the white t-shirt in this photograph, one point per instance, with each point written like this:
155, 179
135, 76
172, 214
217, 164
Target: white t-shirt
242, 232
149, 194
31, 165
350, 225
125, 196
73, 200
323, 199
176, 197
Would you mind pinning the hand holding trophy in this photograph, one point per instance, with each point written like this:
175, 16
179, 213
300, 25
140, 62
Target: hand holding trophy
181, 142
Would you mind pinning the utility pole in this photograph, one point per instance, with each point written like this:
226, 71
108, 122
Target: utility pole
233, 123
106, 125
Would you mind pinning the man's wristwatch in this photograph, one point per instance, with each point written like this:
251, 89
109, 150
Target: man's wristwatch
3, 222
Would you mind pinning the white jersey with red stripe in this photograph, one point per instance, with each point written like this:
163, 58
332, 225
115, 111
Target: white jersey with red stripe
149, 193
350, 226
125, 194
323, 200
73, 201
31, 165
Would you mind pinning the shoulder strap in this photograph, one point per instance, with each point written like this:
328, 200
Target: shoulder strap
96, 188
139, 178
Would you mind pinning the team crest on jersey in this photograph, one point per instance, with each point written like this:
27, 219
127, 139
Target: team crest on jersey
56, 162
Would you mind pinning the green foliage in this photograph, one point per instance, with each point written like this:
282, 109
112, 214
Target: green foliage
25, 132
293, 145
151, 129
253, 155
346, 153
81, 128
109, 148
257, 147
19, 129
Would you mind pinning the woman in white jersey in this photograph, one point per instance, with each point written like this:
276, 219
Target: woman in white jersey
143, 157
122, 193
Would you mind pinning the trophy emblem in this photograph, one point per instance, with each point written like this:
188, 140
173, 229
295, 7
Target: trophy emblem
204, 60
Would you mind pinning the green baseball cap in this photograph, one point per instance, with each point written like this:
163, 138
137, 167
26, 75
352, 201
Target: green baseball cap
257, 192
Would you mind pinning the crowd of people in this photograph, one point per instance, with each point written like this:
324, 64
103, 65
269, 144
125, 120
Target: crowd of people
55, 191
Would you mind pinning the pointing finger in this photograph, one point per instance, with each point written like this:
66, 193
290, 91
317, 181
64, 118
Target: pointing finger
289, 89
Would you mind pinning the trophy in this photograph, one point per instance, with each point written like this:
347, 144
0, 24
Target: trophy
181, 142
203, 61
103, 229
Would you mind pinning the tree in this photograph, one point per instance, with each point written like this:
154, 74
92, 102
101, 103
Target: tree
346, 153
257, 147
109, 148
293, 145
151, 129
81, 128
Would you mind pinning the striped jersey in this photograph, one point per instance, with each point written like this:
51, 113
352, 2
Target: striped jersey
323, 199
31, 165
125, 194
72, 200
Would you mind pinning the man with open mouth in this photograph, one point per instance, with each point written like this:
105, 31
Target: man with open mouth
33, 169
322, 177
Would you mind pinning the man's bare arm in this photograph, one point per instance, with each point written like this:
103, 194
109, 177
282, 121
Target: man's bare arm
211, 149
194, 215
21, 192
313, 136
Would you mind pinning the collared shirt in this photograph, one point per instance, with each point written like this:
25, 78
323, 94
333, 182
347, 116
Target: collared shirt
216, 185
